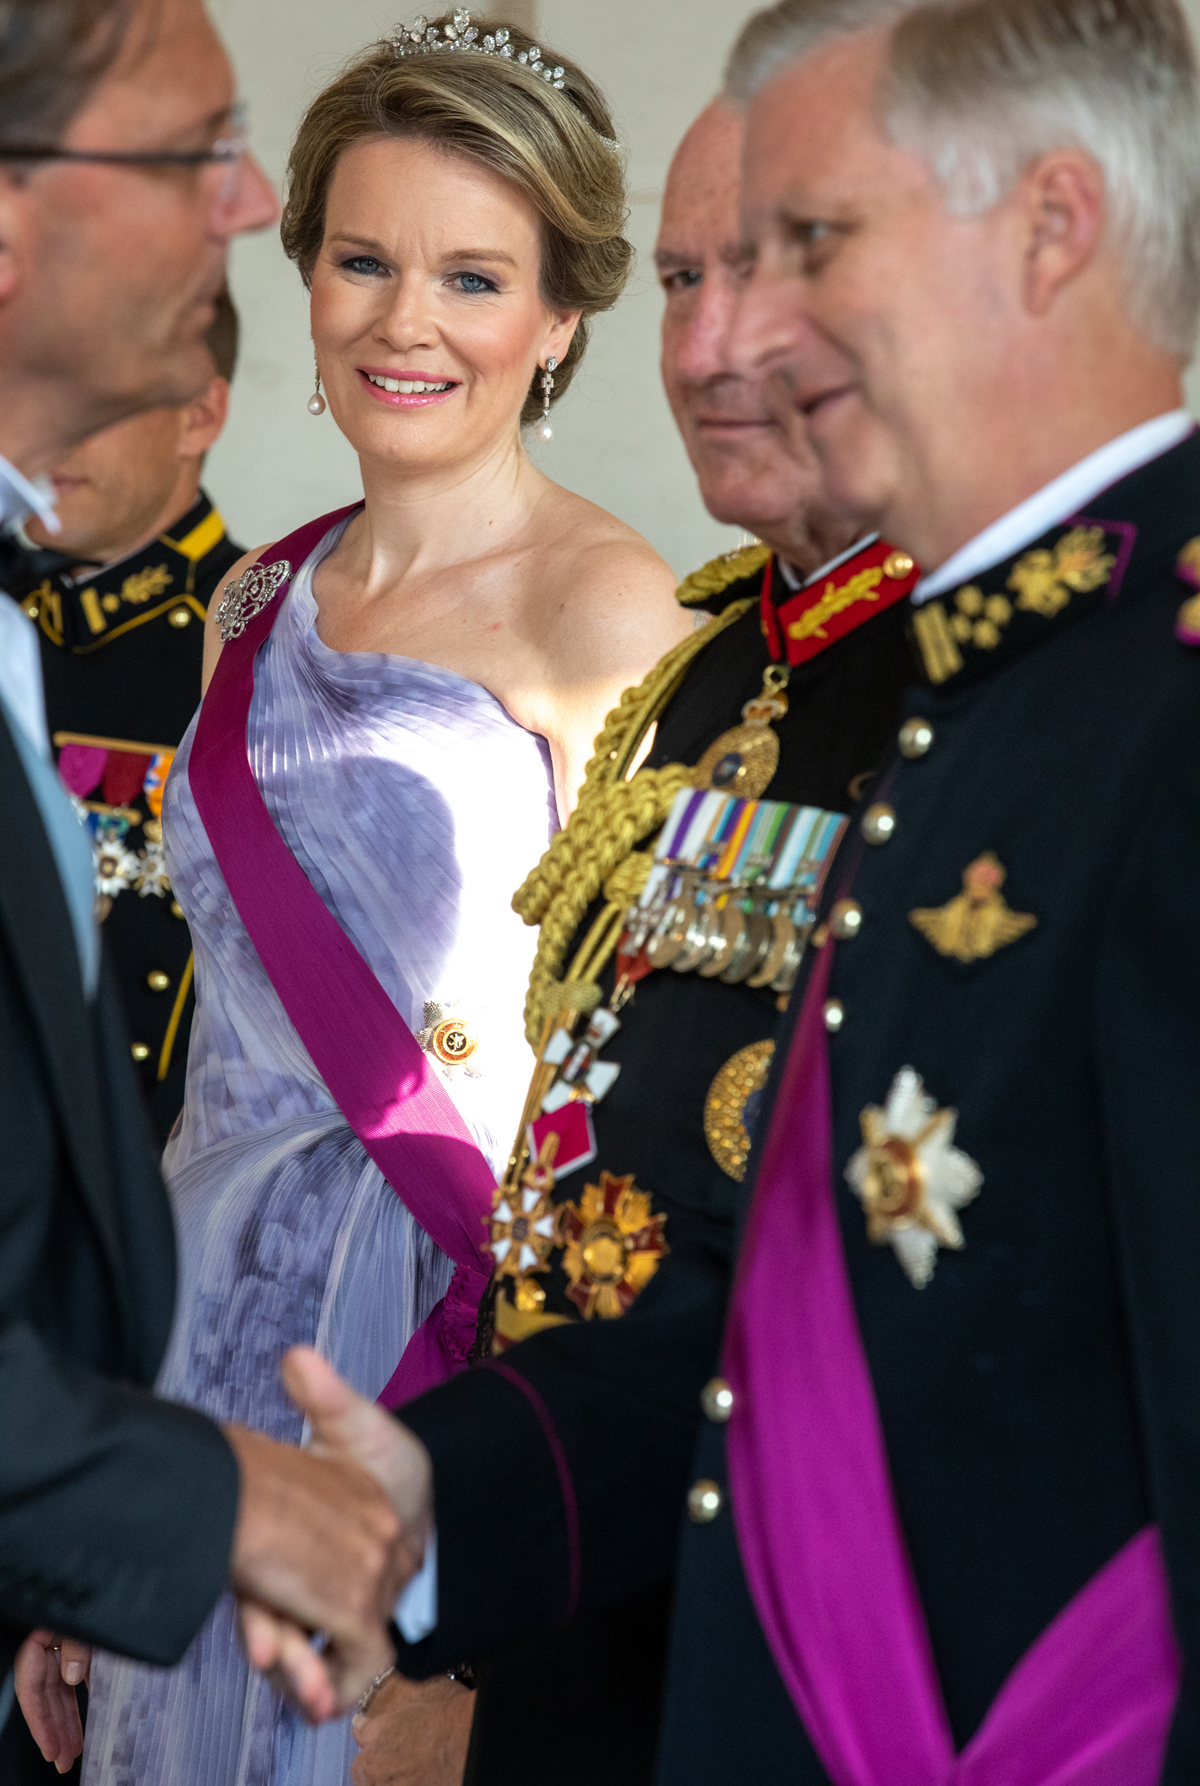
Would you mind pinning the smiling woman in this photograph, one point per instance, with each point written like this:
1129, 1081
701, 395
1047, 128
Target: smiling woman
420, 681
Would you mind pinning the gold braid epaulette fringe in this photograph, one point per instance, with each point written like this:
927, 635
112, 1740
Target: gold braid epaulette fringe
613, 816
711, 579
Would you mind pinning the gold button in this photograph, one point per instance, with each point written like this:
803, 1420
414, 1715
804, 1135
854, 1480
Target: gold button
835, 1015
140, 1052
879, 823
31, 608
845, 920
176, 909
704, 1502
158, 981
180, 617
899, 565
716, 1398
916, 735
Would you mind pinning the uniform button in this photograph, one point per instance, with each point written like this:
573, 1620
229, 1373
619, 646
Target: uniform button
31, 608
716, 1398
899, 565
916, 735
176, 909
835, 1015
845, 920
158, 981
180, 617
879, 823
140, 1052
704, 1502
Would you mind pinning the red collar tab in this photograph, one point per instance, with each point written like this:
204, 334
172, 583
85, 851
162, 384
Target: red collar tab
874, 579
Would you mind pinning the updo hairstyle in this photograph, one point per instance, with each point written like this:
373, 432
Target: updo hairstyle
545, 139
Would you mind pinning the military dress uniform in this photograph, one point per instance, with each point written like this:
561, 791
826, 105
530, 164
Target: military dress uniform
587, 1701
1012, 925
121, 659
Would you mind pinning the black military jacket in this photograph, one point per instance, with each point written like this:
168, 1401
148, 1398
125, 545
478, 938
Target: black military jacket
1038, 1396
121, 659
676, 1035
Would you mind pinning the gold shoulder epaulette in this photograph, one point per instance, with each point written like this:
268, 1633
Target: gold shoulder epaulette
715, 577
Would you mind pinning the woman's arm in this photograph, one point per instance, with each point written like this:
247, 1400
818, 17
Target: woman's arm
620, 617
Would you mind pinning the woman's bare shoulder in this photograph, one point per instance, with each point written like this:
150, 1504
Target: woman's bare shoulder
212, 634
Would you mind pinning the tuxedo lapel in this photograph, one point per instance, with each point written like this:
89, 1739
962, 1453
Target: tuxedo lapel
34, 915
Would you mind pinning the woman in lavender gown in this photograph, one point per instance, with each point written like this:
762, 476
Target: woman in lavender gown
422, 711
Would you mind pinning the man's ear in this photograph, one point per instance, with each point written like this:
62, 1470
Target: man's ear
204, 419
1063, 200
14, 232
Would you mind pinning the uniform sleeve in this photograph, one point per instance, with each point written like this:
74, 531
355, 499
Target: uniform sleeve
561, 1470
116, 1509
1148, 1052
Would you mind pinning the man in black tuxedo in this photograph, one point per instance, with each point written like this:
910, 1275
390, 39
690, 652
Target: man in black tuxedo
121, 1517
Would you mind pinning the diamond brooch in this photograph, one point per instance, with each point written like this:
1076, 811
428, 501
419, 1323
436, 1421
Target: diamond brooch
254, 590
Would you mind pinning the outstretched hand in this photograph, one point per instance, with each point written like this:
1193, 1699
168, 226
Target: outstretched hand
349, 1435
47, 1671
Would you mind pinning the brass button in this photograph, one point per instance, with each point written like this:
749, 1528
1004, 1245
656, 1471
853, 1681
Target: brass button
31, 608
899, 565
140, 1052
176, 909
704, 1502
158, 981
716, 1398
845, 920
916, 735
835, 1015
180, 617
879, 823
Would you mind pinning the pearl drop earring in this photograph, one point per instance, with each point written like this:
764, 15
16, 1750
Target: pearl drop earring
544, 430
316, 403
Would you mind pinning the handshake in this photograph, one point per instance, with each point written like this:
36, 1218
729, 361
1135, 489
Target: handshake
326, 1540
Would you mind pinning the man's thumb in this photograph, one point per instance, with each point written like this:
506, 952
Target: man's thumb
334, 1411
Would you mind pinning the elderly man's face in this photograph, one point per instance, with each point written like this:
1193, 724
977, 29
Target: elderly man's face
747, 442
890, 319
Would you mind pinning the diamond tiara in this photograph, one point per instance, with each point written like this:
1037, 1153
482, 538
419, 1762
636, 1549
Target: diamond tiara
423, 39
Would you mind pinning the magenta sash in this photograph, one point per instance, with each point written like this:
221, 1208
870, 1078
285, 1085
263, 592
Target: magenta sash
1090, 1704
368, 1057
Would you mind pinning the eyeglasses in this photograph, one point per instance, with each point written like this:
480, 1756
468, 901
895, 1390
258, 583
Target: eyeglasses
225, 152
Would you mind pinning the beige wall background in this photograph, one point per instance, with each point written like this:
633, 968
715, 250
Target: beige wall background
614, 440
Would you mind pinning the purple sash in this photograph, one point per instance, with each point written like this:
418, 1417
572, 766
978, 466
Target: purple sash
1090, 1704
368, 1057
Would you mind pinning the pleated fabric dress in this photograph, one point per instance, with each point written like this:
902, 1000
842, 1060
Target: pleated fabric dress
416, 805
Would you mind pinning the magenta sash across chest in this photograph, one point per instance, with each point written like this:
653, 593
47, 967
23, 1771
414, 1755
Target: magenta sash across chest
375, 1070
1090, 1704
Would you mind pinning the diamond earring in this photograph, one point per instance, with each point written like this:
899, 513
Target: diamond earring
316, 403
544, 430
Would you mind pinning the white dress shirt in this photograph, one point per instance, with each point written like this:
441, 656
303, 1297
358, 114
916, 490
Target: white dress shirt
1057, 501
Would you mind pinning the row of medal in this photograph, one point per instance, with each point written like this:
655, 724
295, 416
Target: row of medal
734, 889
732, 893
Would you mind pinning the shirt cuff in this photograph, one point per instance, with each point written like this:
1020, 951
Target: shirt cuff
416, 1612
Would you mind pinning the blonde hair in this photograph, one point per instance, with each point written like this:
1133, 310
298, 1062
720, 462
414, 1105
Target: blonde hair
548, 141
982, 88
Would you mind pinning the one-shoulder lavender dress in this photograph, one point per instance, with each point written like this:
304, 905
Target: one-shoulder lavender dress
416, 805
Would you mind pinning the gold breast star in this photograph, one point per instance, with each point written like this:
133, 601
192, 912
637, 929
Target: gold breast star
978, 921
909, 1178
612, 1246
